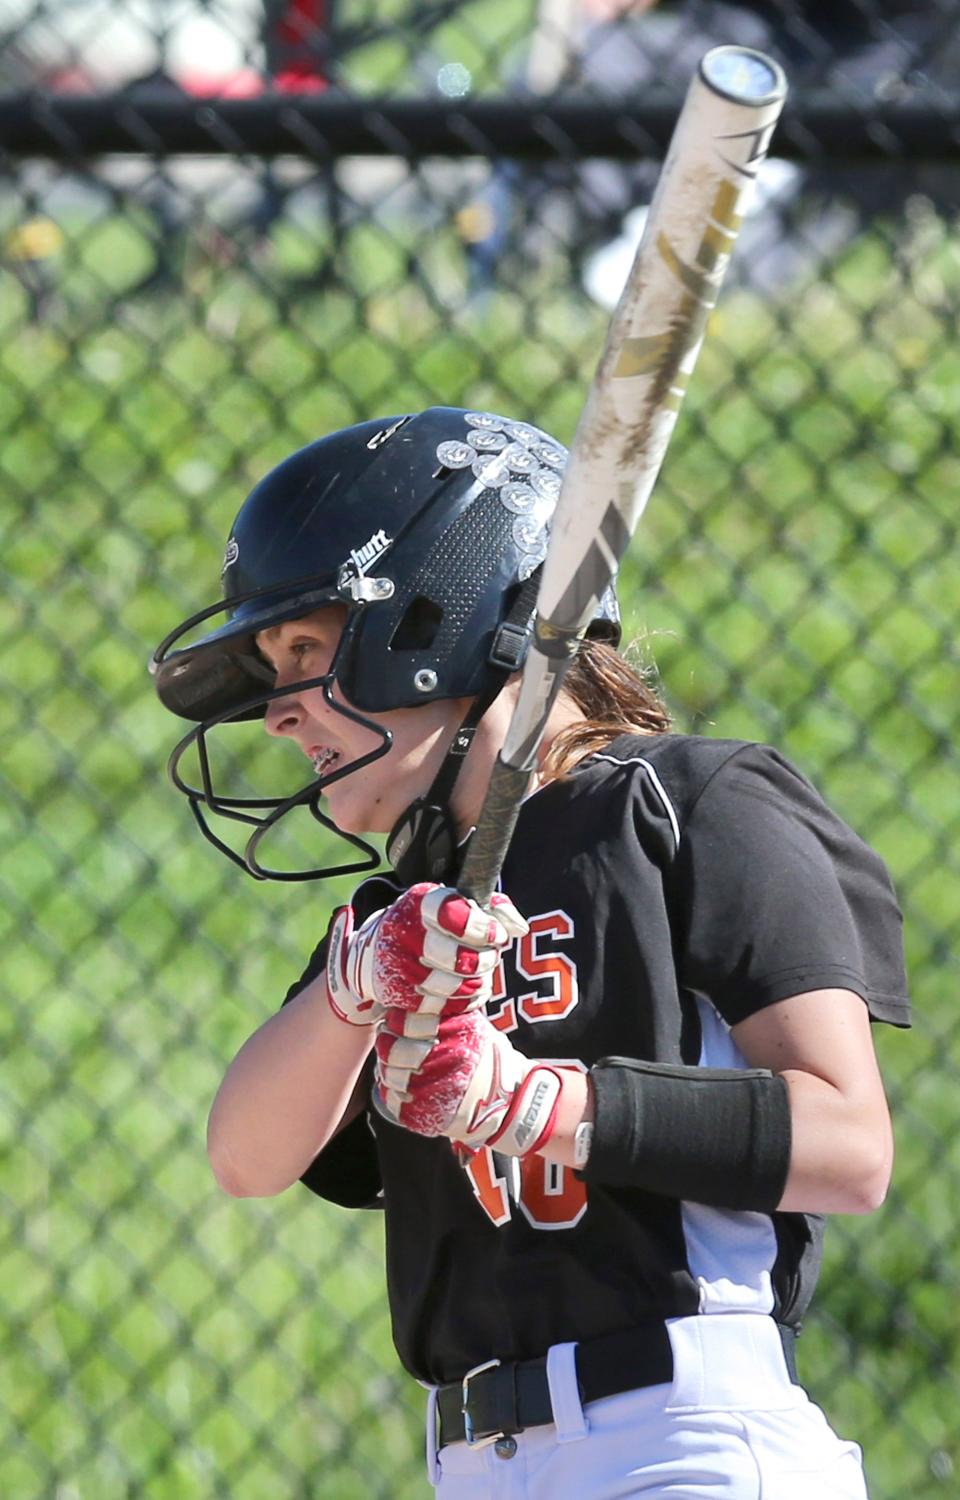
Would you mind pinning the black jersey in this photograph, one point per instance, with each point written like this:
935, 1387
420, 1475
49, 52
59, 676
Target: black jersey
674, 885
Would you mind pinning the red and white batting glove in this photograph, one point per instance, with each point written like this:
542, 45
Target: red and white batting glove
345, 1002
472, 1085
431, 948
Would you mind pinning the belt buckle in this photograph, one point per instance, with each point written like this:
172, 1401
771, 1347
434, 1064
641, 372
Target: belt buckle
471, 1441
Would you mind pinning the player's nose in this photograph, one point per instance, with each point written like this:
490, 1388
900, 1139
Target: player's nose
284, 715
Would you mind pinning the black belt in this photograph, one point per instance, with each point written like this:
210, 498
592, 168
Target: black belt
495, 1400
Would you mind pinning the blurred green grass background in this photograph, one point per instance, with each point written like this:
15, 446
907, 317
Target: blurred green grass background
795, 580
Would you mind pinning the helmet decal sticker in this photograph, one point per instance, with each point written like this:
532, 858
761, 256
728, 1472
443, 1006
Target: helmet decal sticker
518, 497
385, 433
230, 555
489, 442
529, 563
363, 558
455, 455
549, 453
486, 419
546, 484
491, 470
520, 459
528, 533
523, 432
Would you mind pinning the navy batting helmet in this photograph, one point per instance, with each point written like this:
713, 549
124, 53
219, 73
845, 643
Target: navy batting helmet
430, 528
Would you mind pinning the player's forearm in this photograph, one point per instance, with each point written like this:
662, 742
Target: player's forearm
284, 1095
841, 1152
840, 1144
820, 1045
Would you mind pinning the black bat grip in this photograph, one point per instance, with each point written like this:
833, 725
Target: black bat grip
491, 839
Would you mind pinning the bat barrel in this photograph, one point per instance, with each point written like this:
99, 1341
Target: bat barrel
655, 335
656, 332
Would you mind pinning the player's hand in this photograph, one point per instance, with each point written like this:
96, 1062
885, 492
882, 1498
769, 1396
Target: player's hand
430, 949
470, 1083
345, 1000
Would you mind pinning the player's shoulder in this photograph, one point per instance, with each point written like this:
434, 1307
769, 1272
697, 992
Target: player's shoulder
677, 766
666, 775
691, 756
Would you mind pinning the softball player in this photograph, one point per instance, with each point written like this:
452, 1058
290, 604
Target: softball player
604, 1119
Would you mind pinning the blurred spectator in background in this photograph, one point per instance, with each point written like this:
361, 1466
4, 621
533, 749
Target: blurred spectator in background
296, 38
639, 49
299, 58
297, 41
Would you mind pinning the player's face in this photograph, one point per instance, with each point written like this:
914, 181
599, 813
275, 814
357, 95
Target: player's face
371, 799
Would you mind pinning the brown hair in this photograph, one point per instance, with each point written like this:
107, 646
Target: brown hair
614, 698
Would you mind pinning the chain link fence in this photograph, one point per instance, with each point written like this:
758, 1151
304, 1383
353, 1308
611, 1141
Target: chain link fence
171, 324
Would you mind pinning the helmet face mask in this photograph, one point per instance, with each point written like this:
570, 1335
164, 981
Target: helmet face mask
430, 529
263, 814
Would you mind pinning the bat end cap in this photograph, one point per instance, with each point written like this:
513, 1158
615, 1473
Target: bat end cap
743, 75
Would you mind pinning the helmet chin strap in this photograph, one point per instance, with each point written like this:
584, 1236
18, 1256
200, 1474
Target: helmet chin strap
423, 843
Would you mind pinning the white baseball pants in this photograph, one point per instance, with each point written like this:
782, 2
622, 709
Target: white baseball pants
730, 1426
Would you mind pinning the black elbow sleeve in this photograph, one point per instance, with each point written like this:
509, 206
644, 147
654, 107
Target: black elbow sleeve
710, 1135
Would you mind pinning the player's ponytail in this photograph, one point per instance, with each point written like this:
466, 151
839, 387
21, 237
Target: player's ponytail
614, 698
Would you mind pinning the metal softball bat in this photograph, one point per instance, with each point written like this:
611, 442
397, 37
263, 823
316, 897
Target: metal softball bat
719, 143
